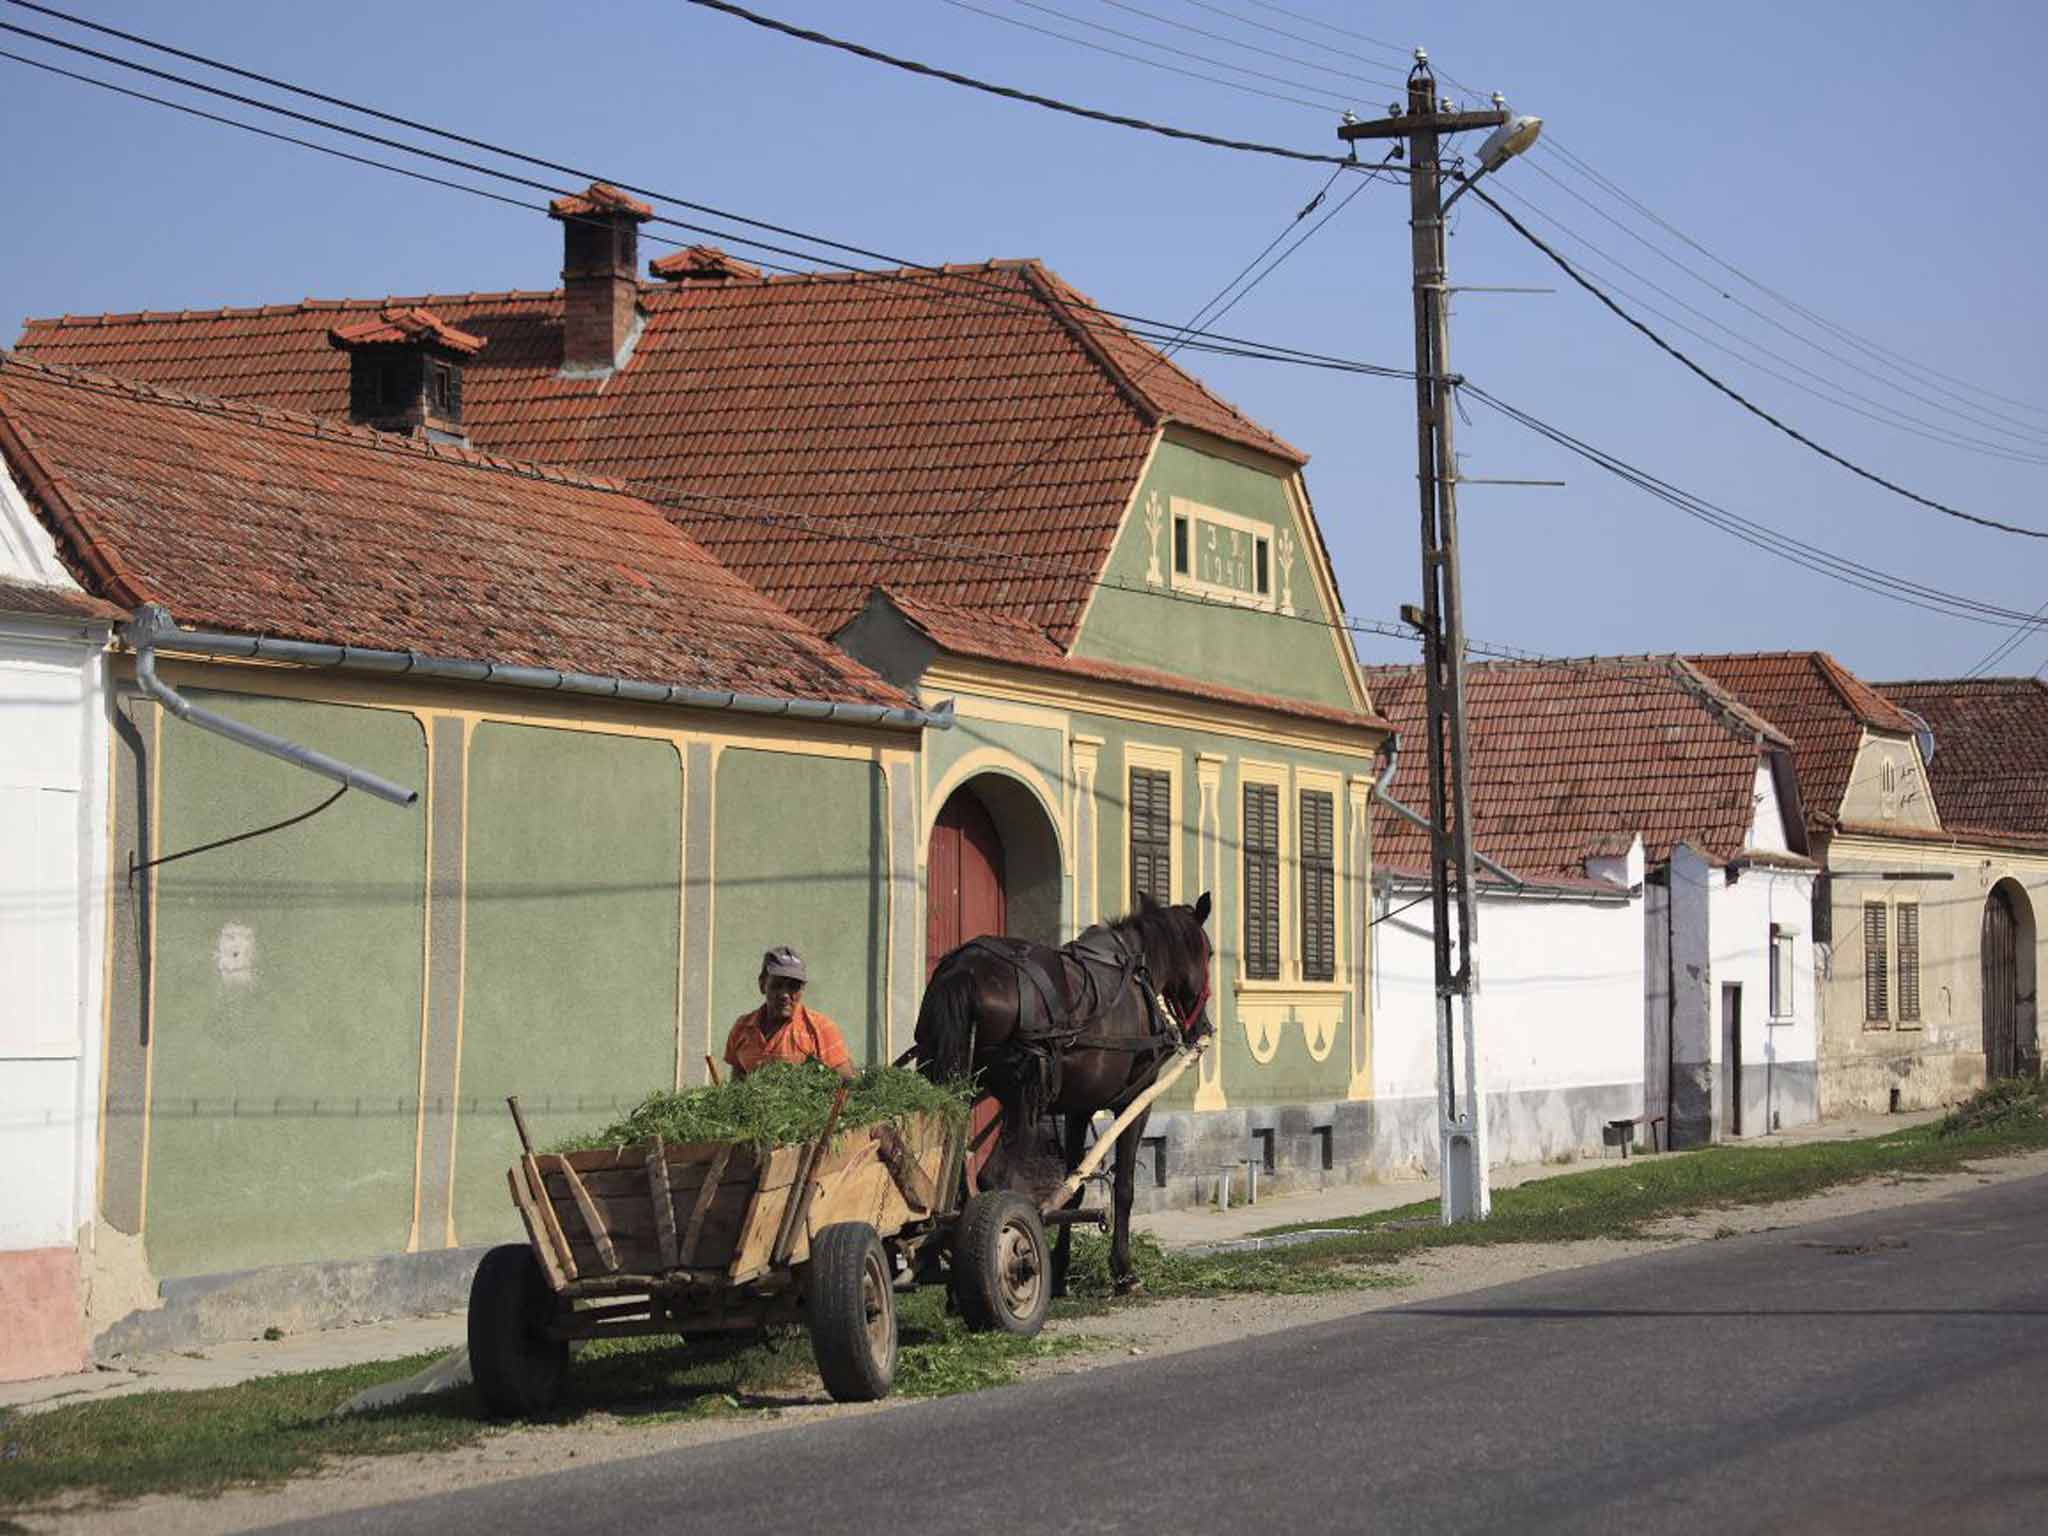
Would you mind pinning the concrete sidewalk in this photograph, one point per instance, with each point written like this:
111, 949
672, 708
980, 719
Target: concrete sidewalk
221, 1365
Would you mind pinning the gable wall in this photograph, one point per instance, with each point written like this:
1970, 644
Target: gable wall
1283, 645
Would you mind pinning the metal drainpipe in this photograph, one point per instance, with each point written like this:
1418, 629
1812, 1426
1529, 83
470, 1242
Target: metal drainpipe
152, 624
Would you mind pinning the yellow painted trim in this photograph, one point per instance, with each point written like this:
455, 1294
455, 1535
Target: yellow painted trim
1004, 712
1155, 759
1085, 754
113, 802
1358, 806
149, 1018
461, 997
419, 1130
1184, 435
1209, 1089
1256, 529
1145, 706
991, 760
682, 907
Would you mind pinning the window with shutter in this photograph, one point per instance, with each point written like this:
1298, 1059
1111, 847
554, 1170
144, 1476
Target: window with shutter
1262, 882
1909, 962
1317, 830
1151, 835
1876, 965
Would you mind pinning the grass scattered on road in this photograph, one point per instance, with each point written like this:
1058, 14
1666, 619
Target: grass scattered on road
278, 1427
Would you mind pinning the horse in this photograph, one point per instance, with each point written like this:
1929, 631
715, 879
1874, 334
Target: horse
1071, 1031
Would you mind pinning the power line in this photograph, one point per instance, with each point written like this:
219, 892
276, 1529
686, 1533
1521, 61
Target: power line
1801, 553
1733, 394
1820, 387
1332, 103
1010, 93
1001, 297
1271, 53
1976, 416
1861, 343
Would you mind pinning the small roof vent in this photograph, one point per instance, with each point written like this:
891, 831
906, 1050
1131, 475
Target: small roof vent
405, 372
701, 264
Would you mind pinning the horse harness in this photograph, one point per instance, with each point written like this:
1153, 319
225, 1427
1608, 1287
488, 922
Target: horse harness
1055, 1008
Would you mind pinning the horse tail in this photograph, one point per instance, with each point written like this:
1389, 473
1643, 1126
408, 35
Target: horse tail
945, 1025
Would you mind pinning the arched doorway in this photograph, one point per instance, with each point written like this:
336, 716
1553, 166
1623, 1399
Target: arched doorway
2011, 1044
992, 865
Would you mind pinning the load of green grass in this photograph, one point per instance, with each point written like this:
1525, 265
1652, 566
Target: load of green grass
2009, 1104
779, 1104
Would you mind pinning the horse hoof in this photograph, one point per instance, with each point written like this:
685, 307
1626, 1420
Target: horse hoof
1130, 1285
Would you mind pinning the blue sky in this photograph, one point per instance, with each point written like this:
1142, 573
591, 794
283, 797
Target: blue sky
1786, 140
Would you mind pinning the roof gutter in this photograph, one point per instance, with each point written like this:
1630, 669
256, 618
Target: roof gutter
152, 624
1379, 793
153, 627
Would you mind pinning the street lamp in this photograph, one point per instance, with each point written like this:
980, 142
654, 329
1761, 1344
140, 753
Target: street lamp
1461, 1097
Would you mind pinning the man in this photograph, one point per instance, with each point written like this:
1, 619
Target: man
782, 1028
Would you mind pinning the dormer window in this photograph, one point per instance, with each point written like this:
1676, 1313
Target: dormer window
405, 372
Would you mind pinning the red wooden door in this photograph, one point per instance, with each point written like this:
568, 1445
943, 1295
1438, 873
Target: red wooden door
963, 878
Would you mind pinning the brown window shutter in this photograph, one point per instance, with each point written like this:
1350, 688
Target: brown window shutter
1262, 882
1909, 962
1318, 886
1876, 964
1151, 802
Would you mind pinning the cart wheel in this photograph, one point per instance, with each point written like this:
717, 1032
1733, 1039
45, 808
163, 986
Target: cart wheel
1001, 1278
851, 1304
518, 1369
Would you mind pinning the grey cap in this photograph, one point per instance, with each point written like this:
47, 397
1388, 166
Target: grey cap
784, 961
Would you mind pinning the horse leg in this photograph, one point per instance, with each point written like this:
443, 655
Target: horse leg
1062, 1248
1126, 1189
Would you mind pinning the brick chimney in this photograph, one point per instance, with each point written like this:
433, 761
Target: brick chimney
700, 264
405, 373
601, 316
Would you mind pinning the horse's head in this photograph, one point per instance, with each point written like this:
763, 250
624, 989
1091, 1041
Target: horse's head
1177, 955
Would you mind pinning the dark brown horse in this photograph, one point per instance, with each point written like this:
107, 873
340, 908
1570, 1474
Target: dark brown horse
1071, 1031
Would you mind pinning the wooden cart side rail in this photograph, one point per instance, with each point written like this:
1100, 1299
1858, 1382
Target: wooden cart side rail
664, 1203
593, 1224
536, 1231
537, 1189
806, 1184
706, 1193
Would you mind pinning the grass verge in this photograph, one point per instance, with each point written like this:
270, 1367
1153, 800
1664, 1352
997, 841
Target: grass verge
279, 1427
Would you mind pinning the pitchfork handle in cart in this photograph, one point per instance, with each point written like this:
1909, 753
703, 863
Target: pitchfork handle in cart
519, 1125
1085, 1169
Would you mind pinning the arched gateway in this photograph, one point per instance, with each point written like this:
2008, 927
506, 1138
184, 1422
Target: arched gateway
992, 865
2011, 1044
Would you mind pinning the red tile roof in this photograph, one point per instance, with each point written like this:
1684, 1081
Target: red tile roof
1990, 768
1824, 706
1573, 759
598, 198
992, 637
970, 435
55, 602
398, 325
267, 522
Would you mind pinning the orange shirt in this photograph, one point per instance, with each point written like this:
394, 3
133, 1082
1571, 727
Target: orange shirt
806, 1037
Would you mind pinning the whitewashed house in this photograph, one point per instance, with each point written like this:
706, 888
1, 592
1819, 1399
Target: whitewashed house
53, 883
1649, 961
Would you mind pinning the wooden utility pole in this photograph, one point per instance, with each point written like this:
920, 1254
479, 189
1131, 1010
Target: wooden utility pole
1461, 1106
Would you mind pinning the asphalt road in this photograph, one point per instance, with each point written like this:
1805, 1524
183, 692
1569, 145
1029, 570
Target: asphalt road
1881, 1373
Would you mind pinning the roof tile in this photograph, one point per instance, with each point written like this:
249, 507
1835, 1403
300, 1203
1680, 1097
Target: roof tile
1990, 768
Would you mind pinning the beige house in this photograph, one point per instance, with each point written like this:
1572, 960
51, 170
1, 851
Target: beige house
1926, 942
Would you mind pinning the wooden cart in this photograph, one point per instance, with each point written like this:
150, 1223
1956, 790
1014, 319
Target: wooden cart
711, 1238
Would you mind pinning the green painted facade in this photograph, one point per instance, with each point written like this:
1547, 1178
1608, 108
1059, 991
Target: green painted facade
571, 960
1294, 656
288, 975
802, 859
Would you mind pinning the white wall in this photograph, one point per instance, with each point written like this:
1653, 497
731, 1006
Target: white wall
53, 888
1740, 916
1560, 1021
